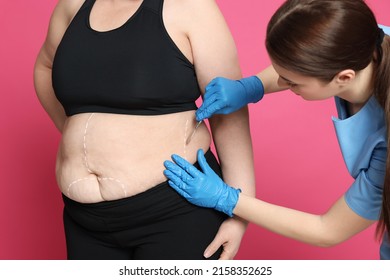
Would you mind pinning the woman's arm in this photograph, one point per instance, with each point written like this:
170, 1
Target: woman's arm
60, 19
214, 55
205, 188
270, 79
224, 96
338, 224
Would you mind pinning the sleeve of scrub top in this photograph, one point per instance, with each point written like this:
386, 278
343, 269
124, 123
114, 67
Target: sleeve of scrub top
385, 28
364, 197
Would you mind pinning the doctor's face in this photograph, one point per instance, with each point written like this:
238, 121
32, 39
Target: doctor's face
308, 88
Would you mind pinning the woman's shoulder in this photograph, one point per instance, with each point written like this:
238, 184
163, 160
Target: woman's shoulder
194, 16
67, 9
61, 17
193, 7
193, 3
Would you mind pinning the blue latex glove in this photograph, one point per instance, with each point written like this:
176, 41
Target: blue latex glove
224, 96
205, 189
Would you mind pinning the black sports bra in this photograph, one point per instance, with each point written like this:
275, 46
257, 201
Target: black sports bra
134, 69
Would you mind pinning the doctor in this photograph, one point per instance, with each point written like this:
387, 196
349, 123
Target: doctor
335, 49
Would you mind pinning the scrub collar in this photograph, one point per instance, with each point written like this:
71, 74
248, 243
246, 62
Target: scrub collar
353, 131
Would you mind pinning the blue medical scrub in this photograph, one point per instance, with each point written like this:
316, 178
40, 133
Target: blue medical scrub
362, 139
386, 29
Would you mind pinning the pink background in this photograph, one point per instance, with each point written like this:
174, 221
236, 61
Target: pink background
298, 162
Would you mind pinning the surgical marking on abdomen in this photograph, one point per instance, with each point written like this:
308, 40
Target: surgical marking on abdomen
99, 179
185, 140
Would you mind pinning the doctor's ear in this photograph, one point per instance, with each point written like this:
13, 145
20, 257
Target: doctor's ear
345, 77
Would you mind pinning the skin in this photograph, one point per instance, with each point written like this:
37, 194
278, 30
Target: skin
329, 228
189, 23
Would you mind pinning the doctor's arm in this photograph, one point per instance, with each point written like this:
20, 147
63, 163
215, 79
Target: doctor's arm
225, 96
323, 230
205, 188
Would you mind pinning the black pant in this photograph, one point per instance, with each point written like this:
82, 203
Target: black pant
156, 224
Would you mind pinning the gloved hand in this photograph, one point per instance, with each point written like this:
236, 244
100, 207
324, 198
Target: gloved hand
203, 189
224, 96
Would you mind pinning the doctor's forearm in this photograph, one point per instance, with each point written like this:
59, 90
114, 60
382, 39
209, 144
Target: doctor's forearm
269, 78
301, 226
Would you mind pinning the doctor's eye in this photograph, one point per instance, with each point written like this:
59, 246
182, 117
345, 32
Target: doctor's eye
291, 85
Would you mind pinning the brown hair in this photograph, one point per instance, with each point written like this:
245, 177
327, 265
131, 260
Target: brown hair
320, 38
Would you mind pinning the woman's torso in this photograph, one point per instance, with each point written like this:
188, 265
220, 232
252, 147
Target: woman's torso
108, 154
